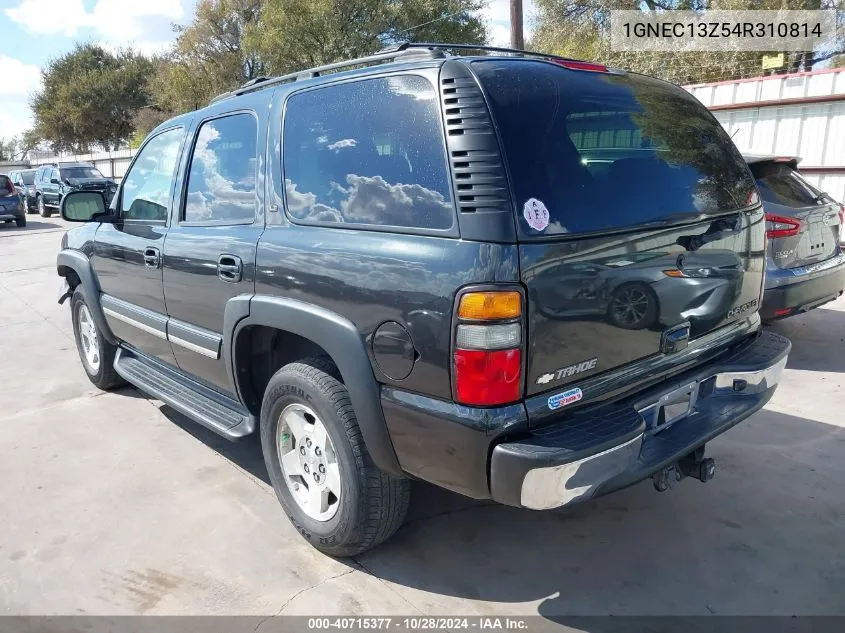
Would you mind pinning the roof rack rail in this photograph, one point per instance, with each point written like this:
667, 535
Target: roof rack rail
431, 49
483, 47
260, 83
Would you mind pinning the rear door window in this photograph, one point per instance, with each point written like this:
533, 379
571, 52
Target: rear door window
600, 151
368, 152
781, 184
221, 180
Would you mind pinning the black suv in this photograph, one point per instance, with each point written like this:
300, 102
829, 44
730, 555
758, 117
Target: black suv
515, 276
53, 181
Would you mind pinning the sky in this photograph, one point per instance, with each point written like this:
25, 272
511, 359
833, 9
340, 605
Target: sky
34, 31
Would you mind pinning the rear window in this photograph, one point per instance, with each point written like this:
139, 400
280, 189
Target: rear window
781, 184
5, 185
28, 177
593, 152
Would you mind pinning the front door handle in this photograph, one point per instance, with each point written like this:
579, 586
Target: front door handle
152, 257
230, 268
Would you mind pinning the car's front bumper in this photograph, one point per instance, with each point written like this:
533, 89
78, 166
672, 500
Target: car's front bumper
612, 446
791, 291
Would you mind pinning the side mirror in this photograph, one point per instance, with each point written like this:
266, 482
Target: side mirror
82, 206
55, 181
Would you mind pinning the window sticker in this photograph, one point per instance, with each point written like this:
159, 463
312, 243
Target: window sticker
536, 214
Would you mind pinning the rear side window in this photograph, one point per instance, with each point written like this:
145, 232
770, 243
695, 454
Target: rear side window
221, 181
781, 184
368, 152
602, 151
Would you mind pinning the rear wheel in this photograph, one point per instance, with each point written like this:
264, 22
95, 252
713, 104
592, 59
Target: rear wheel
21, 221
319, 466
633, 307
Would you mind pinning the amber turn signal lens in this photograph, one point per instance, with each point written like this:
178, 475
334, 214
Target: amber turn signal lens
486, 306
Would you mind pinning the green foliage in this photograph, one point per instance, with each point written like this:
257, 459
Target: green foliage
89, 97
581, 29
209, 56
297, 34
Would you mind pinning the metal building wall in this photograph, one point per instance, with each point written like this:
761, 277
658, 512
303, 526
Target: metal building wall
795, 115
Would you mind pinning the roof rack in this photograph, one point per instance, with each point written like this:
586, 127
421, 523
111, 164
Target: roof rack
405, 49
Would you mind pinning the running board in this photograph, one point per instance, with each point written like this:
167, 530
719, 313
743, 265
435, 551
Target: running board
203, 405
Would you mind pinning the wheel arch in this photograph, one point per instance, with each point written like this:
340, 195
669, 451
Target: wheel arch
313, 329
75, 266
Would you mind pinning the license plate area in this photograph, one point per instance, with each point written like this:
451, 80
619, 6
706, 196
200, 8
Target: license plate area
670, 407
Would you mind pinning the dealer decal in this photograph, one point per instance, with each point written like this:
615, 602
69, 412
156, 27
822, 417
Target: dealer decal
567, 397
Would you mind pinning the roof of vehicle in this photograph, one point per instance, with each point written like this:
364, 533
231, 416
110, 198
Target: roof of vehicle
61, 164
406, 52
764, 158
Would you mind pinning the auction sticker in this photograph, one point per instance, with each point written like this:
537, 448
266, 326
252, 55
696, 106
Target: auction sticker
567, 397
536, 214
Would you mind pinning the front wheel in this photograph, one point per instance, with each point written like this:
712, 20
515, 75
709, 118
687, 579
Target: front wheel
42, 209
633, 307
95, 352
328, 485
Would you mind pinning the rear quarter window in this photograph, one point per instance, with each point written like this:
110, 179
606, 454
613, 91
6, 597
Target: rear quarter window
605, 151
367, 153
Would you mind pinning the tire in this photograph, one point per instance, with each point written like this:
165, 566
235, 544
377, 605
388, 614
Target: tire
102, 374
371, 504
643, 303
21, 221
42, 209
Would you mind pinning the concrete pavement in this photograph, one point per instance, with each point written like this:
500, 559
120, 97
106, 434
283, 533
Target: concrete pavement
113, 503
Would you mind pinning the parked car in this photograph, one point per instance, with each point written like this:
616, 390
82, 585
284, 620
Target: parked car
11, 203
55, 180
355, 262
24, 181
805, 265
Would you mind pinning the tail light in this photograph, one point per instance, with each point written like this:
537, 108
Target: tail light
779, 226
488, 348
841, 215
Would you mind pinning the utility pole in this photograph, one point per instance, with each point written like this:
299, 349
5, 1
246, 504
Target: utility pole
517, 40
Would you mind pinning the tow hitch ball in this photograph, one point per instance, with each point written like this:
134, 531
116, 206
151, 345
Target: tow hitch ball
694, 465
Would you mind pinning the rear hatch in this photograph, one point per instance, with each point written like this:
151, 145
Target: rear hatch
802, 222
636, 215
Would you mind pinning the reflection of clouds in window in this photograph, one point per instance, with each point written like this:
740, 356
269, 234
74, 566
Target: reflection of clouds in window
368, 152
146, 191
372, 200
346, 142
303, 205
221, 185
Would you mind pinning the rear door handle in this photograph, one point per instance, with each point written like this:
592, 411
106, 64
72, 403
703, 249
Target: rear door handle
230, 268
152, 257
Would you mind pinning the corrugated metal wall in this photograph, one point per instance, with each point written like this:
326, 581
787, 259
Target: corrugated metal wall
813, 129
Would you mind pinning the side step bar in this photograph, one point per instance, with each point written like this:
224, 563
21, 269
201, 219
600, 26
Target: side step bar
203, 405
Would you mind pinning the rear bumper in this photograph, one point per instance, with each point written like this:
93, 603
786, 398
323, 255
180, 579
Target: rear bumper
9, 213
612, 446
808, 291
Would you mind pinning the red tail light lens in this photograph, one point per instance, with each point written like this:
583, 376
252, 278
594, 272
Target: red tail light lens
779, 226
577, 65
841, 215
488, 377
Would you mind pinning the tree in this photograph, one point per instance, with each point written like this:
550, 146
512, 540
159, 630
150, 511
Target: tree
208, 58
89, 98
581, 28
297, 34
